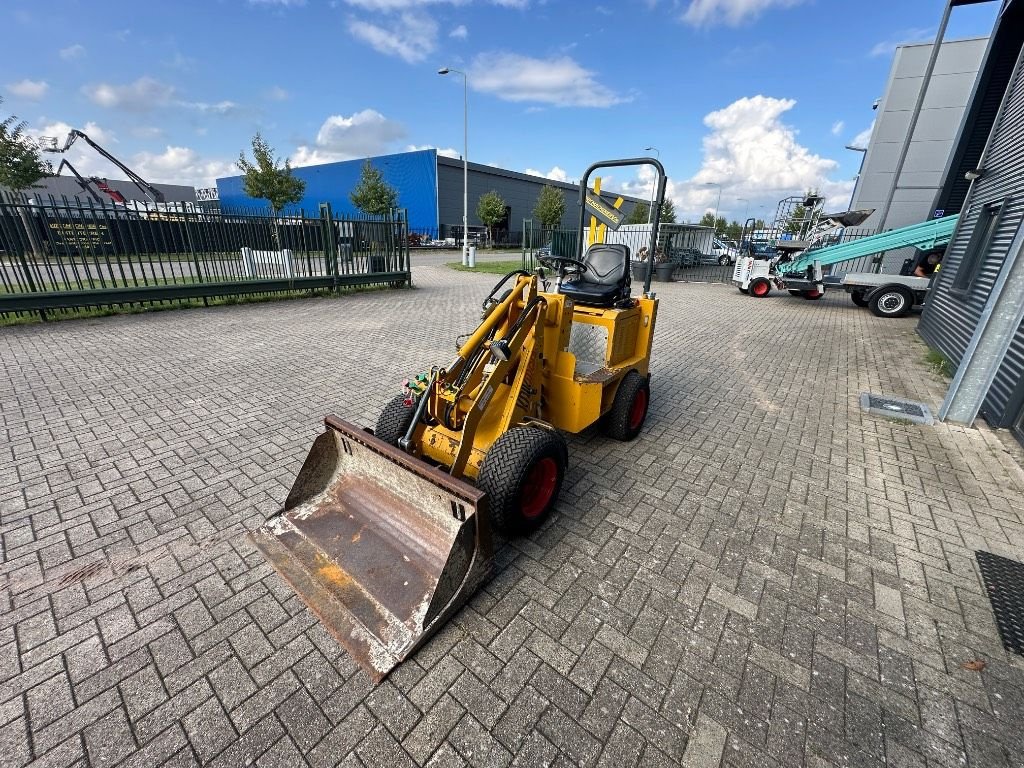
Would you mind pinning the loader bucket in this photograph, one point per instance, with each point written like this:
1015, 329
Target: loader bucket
381, 546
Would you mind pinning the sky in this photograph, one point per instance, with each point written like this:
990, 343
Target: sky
745, 101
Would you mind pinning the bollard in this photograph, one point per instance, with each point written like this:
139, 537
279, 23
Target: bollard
472, 257
465, 255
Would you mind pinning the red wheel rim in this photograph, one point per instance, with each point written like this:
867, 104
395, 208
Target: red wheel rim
638, 410
759, 289
539, 487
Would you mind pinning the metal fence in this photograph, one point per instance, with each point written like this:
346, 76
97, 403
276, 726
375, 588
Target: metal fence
66, 255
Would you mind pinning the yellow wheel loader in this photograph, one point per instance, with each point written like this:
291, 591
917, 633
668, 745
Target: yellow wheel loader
386, 534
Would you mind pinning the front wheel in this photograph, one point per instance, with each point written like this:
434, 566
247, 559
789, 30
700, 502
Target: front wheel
891, 301
394, 420
760, 287
522, 475
629, 408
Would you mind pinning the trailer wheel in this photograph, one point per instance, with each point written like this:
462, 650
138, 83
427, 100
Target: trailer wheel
891, 301
760, 287
858, 298
812, 295
628, 413
394, 420
522, 474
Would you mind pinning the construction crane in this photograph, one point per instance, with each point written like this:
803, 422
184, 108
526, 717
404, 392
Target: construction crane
51, 144
88, 184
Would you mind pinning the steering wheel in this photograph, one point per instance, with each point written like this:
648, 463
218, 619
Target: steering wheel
561, 262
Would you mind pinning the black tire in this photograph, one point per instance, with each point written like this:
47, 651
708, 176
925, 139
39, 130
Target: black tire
625, 419
760, 287
812, 295
858, 298
723, 261
522, 475
394, 420
891, 301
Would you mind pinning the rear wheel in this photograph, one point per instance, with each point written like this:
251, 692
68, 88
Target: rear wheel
891, 301
629, 408
394, 420
723, 260
859, 298
522, 474
760, 287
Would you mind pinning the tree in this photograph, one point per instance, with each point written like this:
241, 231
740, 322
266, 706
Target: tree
267, 178
668, 212
490, 209
372, 194
639, 214
550, 206
796, 220
707, 220
21, 166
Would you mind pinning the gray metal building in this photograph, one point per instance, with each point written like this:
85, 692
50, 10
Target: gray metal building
949, 93
975, 308
65, 186
518, 190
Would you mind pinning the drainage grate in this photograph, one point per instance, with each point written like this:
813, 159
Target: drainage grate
1004, 581
896, 408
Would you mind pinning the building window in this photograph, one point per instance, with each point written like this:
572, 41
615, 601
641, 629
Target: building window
977, 247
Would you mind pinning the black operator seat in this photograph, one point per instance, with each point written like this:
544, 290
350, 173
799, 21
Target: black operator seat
606, 281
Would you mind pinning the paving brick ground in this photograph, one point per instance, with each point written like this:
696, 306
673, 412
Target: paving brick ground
766, 577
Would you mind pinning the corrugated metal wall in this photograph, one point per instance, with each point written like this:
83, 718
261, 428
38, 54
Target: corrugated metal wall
949, 318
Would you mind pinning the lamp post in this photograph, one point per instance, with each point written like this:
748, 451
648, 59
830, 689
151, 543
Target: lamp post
718, 203
465, 159
654, 184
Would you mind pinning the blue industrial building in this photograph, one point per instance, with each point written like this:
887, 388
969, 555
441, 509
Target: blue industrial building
429, 187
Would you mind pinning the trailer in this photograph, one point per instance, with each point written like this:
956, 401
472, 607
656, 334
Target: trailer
886, 295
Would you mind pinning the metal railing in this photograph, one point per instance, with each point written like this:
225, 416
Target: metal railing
65, 255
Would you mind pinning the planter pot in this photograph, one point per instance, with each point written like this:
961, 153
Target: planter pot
663, 272
640, 271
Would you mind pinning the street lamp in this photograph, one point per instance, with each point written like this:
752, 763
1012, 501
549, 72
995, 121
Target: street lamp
465, 159
718, 204
654, 184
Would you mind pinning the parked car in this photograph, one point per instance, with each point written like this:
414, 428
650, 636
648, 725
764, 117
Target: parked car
724, 253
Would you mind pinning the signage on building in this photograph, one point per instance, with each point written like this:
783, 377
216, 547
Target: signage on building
204, 194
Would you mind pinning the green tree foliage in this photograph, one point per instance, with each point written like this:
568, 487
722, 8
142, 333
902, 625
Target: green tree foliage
267, 178
796, 220
21, 165
732, 231
668, 212
639, 214
550, 206
372, 194
490, 209
707, 220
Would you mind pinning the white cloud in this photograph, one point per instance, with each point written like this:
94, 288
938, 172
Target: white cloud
220, 108
555, 174
181, 165
139, 96
837, 127
29, 89
707, 13
72, 52
343, 138
559, 80
412, 36
277, 93
913, 35
444, 152
750, 153
864, 137
459, 32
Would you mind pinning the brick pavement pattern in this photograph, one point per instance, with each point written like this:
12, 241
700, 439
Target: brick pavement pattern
766, 577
